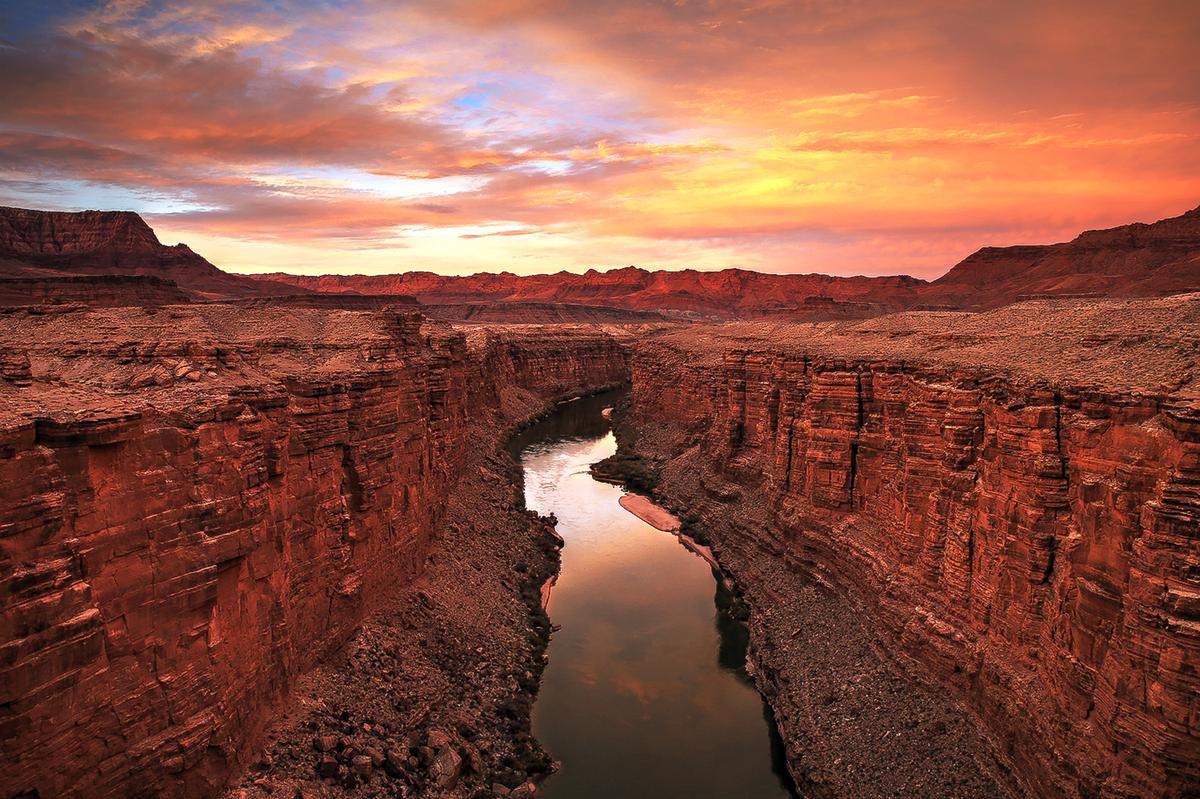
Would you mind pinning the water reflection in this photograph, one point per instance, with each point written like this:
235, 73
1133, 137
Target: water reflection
646, 694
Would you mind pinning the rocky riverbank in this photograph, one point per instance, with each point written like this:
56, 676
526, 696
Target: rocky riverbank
434, 692
999, 506
854, 723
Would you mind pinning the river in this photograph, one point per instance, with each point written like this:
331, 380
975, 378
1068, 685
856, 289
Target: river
646, 694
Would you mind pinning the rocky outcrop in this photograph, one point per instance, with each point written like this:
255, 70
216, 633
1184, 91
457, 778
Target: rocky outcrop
58, 244
28, 232
1023, 526
201, 502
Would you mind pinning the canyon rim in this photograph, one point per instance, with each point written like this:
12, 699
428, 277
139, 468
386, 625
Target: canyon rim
879, 476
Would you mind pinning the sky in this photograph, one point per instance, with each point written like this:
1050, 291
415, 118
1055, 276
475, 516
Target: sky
838, 136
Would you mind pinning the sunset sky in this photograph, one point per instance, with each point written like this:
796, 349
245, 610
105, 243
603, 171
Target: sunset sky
870, 137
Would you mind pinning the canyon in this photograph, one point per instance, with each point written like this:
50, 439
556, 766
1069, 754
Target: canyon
1009, 502
262, 536
201, 502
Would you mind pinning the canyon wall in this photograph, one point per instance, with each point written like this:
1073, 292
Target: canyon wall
200, 502
1014, 504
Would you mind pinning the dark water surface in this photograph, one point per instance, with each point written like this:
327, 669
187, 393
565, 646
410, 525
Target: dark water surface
646, 694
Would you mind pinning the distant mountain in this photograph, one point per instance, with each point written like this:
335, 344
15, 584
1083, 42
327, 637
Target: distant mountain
55, 244
1136, 260
726, 293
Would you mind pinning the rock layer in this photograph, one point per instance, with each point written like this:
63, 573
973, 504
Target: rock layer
96, 290
1024, 529
202, 502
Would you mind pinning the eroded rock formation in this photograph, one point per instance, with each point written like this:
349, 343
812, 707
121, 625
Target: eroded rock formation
57, 244
1012, 499
1137, 260
200, 502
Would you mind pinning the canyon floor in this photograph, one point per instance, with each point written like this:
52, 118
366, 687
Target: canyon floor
279, 551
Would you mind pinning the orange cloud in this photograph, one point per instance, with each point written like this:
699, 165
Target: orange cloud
533, 136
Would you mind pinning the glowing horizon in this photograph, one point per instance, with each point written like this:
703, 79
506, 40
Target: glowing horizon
533, 136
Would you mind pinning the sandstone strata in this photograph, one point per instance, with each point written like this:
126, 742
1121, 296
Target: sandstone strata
1011, 499
201, 502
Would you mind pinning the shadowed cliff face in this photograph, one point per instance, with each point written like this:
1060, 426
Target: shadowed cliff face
28, 232
95, 290
201, 502
1024, 530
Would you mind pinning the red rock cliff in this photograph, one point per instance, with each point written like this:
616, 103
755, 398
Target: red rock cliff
1015, 499
60, 244
201, 502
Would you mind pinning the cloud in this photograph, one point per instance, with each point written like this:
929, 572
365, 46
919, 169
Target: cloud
526, 134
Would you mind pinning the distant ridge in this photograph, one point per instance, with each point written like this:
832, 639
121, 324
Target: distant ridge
730, 293
1135, 260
